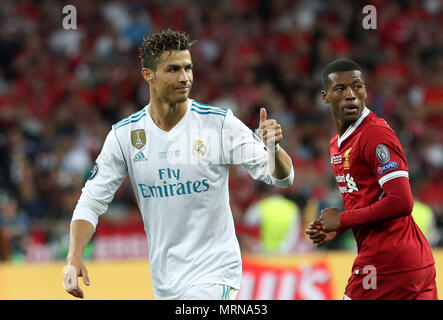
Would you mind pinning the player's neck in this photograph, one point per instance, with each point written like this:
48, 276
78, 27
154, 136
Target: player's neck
342, 126
166, 115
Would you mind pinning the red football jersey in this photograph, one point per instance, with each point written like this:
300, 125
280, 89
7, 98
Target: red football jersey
365, 157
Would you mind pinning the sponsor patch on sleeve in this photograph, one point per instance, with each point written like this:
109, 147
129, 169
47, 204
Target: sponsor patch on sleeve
387, 166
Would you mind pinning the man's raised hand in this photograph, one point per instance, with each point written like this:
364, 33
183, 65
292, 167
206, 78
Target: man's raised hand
269, 130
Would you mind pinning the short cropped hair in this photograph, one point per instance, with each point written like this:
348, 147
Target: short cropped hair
153, 46
338, 65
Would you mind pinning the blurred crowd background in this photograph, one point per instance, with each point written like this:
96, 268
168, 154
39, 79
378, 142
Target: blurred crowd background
61, 90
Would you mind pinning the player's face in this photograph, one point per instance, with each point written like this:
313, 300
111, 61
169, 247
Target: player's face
172, 81
346, 93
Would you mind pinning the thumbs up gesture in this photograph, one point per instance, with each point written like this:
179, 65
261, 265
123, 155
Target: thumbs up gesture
269, 130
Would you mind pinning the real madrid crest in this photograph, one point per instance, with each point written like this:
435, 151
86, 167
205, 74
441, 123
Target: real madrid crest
199, 149
138, 138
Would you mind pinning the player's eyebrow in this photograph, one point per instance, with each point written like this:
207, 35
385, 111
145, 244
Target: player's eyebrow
177, 66
344, 84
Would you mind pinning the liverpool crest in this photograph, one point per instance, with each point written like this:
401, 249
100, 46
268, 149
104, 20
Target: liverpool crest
346, 156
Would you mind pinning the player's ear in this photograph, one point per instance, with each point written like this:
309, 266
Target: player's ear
147, 74
324, 96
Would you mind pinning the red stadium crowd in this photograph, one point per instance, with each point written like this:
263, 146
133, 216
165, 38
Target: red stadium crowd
61, 90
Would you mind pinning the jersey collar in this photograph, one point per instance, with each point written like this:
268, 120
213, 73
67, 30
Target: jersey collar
176, 127
354, 126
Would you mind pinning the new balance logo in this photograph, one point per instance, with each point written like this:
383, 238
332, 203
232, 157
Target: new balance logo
140, 157
351, 185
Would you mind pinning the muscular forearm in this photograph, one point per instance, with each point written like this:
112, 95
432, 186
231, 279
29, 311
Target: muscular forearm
398, 202
80, 235
281, 164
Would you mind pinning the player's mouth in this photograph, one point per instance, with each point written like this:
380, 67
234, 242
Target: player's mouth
351, 109
182, 89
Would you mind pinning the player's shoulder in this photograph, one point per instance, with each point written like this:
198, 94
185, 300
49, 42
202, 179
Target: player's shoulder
377, 131
207, 111
375, 125
133, 118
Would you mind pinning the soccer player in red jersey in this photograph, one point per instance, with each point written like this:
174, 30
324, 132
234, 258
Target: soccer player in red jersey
394, 258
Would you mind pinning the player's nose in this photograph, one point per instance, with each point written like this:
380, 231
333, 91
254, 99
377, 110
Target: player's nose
349, 94
183, 76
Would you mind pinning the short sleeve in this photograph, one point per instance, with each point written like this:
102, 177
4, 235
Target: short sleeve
384, 154
107, 174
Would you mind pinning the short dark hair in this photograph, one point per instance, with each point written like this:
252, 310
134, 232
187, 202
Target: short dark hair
153, 46
338, 65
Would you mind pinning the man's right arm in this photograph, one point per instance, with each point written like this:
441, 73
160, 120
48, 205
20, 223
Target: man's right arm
106, 177
80, 235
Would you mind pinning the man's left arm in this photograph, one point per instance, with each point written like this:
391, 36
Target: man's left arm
398, 202
385, 156
280, 163
283, 164
240, 145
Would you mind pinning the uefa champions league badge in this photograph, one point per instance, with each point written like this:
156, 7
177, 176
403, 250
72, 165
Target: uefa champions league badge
199, 149
94, 171
382, 153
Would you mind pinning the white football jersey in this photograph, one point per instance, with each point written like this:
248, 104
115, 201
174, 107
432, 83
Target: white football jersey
180, 180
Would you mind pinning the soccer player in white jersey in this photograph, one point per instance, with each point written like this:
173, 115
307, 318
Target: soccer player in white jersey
177, 153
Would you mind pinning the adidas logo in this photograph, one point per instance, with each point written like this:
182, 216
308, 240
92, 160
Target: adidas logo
140, 157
